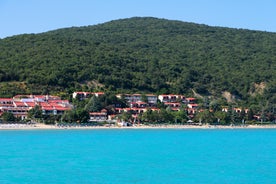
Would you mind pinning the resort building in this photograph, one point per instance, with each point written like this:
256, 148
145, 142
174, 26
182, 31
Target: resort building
6, 101
190, 100
192, 106
83, 95
98, 116
236, 109
192, 109
172, 98
20, 105
150, 99
175, 106
138, 104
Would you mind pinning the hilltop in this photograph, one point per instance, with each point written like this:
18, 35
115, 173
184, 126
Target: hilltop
143, 55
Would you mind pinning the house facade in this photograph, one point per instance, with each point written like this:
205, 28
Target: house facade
98, 116
84, 95
172, 98
150, 98
20, 105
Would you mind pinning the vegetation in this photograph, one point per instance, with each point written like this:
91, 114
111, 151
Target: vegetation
144, 55
35, 113
212, 114
8, 117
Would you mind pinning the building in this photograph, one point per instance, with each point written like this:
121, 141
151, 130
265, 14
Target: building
150, 98
175, 106
55, 107
190, 100
84, 95
98, 116
192, 109
20, 105
236, 109
172, 98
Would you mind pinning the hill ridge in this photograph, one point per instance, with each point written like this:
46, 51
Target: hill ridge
142, 54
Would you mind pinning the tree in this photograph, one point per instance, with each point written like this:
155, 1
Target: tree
82, 116
250, 115
160, 104
146, 116
68, 116
126, 116
94, 104
150, 116
205, 117
206, 103
109, 99
115, 61
165, 116
51, 118
242, 115
232, 115
144, 98
35, 112
221, 117
8, 116
215, 106
180, 116
75, 115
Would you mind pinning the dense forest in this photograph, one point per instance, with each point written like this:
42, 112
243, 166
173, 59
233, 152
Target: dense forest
143, 55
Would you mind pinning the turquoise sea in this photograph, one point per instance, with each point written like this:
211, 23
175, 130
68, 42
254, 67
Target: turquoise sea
138, 156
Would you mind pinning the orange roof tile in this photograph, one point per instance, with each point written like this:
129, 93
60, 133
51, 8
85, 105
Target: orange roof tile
30, 104
21, 104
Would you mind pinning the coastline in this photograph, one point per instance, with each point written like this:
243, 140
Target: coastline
54, 127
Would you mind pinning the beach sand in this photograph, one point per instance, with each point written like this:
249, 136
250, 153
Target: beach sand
51, 127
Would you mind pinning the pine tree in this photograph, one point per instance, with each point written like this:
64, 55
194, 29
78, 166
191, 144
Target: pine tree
94, 105
250, 115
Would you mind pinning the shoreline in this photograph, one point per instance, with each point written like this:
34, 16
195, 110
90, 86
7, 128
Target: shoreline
54, 127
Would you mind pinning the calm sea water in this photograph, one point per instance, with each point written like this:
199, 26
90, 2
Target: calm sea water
138, 156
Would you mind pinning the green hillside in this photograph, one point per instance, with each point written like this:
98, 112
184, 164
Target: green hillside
142, 55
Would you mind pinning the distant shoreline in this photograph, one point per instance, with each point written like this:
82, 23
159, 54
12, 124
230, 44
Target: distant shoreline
54, 127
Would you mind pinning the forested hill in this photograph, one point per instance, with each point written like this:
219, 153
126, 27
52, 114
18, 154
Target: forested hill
142, 55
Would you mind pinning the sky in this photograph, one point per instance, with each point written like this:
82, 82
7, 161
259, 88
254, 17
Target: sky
36, 16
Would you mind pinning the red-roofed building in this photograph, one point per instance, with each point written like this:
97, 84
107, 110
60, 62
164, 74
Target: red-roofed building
6, 101
171, 98
191, 100
191, 111
20, 105
19, 112
54, 110
98, 116
138, 104
192, 106
59, 101
173, 104
97, 94
44, 104
30, 104
236, 109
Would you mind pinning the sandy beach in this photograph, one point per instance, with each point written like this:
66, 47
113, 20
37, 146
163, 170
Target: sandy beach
51, 127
